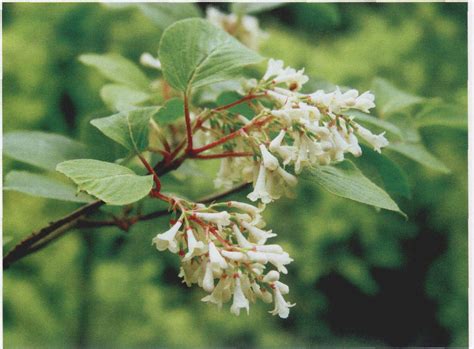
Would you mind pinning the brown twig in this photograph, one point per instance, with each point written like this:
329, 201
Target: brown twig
55, 230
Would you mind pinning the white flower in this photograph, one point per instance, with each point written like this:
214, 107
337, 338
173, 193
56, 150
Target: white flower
282, 307
261, 293
260, 191
217, 261
322, 98
276, 142
254, 211
279, 260
257, 257
189, 272
339, 141
277, 97
274, 68
167, 240
147, 60
302, 159
195, 248
284, 289
259, 235
269, 161
354, 147
241, 240
377, 141
269, 248
233, 255
208, 281
223, 179
221, 293
287, 177
293, 79
219, 218
271, 276
365, 102
240, 302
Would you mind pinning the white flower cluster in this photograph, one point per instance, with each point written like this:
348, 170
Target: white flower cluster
230, 247
310, 130
245, 28
225, 251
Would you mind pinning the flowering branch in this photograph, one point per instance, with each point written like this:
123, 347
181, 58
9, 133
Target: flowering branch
77, 220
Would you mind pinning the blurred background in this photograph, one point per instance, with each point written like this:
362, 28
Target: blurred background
360, 277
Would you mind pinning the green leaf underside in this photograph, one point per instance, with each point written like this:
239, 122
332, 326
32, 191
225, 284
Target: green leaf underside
128, 128
117, 69
44, 150
121, 97
42, 186
111, 183
366, 119
390, 99
195, 53
418, 153
393, 178
171, 111
165, 14
346, 180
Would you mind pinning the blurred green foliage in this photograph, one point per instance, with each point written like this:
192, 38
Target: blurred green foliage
359, 278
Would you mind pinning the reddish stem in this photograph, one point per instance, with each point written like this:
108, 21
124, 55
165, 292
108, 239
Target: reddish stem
222, 155
156, 191
189, 128
230, 105
231, 135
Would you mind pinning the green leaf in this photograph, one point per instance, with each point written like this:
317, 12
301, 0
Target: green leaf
165, 14
345, 179
418, 153
117, 68
42, 186
195, 53
128, 128
442, 114
242, 8
230, 97
390, 99
44, 150
111, 183
393, 178
121, 97
366, 119
171, 111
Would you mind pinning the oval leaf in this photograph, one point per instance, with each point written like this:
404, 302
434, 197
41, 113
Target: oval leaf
195, 53
392, 177
121, 97
42, 186
390, 99
117, 68
44, 150
111, 183
165, 14
128, 128
171, 111
418, 153
345, 179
